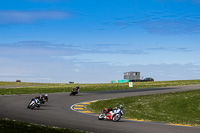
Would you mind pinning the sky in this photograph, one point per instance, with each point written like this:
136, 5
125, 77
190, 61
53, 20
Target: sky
96, 41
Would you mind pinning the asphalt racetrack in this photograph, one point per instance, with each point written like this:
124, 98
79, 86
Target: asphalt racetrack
57, 112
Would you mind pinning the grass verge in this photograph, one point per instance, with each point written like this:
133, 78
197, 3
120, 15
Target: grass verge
53, 88
10, 126
2, 83
179, 108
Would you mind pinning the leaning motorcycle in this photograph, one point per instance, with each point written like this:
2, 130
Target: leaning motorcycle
33, 103
74, 91
111, 114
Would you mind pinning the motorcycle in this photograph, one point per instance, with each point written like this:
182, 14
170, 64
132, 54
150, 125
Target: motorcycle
34, 103
74, 91
111, 114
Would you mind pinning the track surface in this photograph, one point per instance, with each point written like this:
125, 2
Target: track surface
57, 112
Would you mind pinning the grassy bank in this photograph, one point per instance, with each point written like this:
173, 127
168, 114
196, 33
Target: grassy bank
180, 107
53, 88
9, 126
19, 83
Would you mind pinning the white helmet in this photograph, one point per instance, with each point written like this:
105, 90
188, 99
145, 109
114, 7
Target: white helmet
121, 106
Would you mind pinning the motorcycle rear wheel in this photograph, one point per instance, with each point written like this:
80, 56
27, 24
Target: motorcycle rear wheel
101, 117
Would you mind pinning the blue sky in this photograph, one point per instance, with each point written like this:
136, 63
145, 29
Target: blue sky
96, 41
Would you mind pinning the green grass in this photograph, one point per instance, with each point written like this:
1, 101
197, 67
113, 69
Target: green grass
19, 83
9, 126
179, 108
53, 88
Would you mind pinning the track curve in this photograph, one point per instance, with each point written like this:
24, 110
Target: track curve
57, 112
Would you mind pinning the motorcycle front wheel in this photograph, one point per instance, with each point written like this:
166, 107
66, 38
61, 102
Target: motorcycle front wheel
32, 107
116, 117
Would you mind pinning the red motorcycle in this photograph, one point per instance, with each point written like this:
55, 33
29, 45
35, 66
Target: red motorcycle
111, 114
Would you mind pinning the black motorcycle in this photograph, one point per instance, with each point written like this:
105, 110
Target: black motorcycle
74, 92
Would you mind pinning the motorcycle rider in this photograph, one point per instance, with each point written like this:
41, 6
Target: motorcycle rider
115, 108
42, 98
77, 88
120, 106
